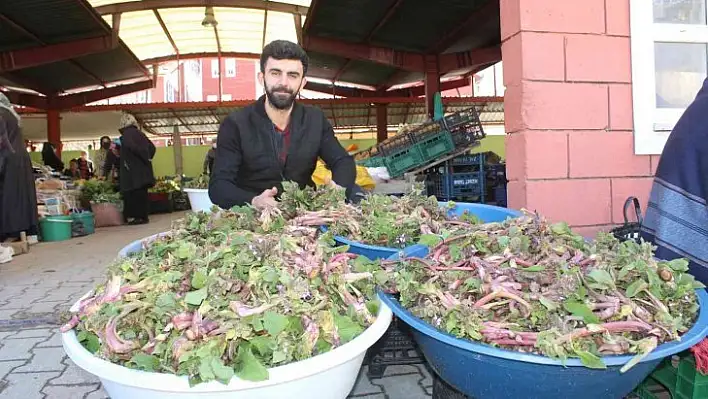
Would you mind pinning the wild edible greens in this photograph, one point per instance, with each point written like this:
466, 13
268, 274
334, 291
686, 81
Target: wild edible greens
231, 293
531, 286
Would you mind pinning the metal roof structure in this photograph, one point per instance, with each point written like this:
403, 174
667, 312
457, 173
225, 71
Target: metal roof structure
60, 47
373, 45
161, 120
346, 115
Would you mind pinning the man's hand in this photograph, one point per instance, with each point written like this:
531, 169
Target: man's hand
266, 199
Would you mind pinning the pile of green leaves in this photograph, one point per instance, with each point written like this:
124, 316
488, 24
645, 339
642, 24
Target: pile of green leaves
165, 185
536, 287
99, 191
200, 182
224, 294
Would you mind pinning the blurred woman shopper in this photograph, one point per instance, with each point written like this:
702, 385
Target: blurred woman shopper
101, 155
18, 198
136, 175
50, 157
676, 220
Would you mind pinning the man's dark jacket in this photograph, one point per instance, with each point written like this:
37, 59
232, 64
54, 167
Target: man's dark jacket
247, 154
136, 155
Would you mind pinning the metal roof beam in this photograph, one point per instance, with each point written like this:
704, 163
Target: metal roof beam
488, 11
146, 5
338, 90
195, 56
27, 100
309, 16
78, 99
473, 59
417, 91
297, 19
47, 54
381, 55
165, 30
389, 13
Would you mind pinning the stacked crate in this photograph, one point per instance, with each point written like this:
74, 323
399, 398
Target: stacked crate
424, 143
468, 178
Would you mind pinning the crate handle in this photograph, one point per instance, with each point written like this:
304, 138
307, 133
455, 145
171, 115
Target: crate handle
637, 210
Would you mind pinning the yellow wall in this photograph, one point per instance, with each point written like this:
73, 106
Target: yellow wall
193, 156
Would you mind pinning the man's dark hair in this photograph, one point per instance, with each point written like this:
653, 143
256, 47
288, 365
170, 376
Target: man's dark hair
284, 50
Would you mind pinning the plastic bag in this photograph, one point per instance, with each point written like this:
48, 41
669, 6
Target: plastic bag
323, 176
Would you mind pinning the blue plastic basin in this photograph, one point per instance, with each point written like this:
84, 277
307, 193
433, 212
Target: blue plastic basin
137, 245
487, 213
484, 372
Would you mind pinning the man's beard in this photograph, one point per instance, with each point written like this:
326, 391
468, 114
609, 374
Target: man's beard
278, 100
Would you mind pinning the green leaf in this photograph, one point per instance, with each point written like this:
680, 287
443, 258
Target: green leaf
248, 367
262, 344
89, 341
602, 277
196, 297
581, 310
166, 300
503, 241
560, 228
145, 362
635, 287
472, 284
679, 265
430, 240
205, 370
549, 304
199, 279
186, 250
274, 322
222, 372
347, 328
381, 277
280, 356
590, 360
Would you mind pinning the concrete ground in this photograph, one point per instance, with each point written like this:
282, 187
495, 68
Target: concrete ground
35, 287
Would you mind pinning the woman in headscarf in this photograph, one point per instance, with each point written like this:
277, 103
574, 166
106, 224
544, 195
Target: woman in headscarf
50, 158
136, 175
18, 198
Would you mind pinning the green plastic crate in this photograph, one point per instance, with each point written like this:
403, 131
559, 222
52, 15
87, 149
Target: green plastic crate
690, 383
373, 162
434, 146
404, 160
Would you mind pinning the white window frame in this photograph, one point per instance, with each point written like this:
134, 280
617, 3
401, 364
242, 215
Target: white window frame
212, 97
215, 69
226, 97
230, 66
652, 125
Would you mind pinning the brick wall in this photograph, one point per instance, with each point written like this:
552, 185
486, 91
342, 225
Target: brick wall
240, 87
568, 109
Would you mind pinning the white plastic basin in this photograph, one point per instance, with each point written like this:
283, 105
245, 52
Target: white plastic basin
331, 375
199, 199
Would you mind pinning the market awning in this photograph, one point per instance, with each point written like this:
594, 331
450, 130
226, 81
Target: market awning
347, 115
58, 46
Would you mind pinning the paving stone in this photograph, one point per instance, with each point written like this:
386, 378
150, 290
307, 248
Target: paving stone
7, 314
370, 396
6, 367
363, 386
402, 387
45, 359
74, 375
26, 385
401, 370
68, 392
18, 350
100, 393
44, 307
6, 334
53, 341
427, 380
32, 333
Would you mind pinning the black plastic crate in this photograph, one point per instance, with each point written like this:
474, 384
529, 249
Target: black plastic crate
425, 131
395, 348
436, 185
460, 118
395, 144
467, 134
468, 160
465, 185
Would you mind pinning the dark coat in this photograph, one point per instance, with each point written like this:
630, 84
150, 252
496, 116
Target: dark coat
50, 158
247, 154
136, 155
18, 198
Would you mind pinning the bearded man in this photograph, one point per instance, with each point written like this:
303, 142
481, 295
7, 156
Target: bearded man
276, 139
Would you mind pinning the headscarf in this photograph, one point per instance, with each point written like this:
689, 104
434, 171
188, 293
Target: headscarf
128, 120
5, 103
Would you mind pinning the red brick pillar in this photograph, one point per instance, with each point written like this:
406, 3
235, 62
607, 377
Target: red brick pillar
54, 129
568, 110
